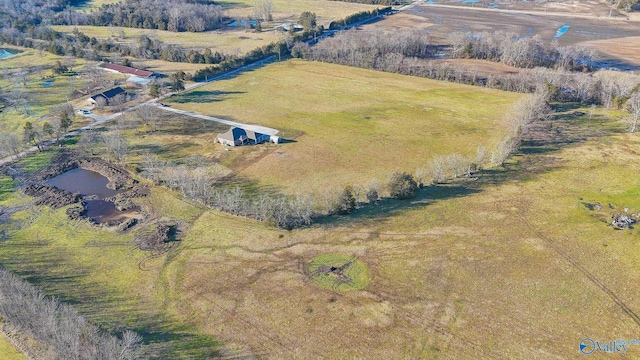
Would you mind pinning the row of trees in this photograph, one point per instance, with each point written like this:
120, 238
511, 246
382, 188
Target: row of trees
357, 17
199, 183
408, 53
514, 50
58, 327
376, 49
374, 2
79, 45
177, 15
367, 48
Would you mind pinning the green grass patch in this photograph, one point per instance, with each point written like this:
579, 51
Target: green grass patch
339, 272
8, 351
350, 125
7, 186
36, 161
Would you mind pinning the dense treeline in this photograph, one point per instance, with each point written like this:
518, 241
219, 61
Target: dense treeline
367, 48
408, 52
513, 50
279, 48
354, 18
58, 327
79, 45
374, 2
176, 15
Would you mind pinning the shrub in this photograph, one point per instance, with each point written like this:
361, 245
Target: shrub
402, 186
345, 204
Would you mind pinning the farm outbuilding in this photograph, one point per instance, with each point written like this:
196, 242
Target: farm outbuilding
128, 70
138, 81
104, 98
237, 136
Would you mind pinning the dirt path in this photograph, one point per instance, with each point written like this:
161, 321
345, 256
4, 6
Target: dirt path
255, 128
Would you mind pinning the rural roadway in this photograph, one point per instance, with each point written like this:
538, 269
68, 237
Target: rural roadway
99, 119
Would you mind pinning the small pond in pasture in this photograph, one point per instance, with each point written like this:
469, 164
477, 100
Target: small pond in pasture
91, 183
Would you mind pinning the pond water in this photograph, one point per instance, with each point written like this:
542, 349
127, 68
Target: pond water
104, 211
84, 182
561, 31
5, 54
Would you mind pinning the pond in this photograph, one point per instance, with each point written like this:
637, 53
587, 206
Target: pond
561, 31
85, 182
102, 211
5, 54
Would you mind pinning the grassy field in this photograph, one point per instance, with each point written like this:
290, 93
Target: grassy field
457, 272
350, 125
290, 10
463, 268
43, 91
8, 351
441, 22
232, 42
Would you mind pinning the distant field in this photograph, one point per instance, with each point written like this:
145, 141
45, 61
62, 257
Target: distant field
350, 125
443, 21
42, 91
626, 49
90, 5
233, 42
290, 10
595, 8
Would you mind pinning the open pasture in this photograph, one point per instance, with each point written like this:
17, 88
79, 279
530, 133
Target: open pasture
439, 22
349, 125
290, 10
457, 272
28, 81
579, 8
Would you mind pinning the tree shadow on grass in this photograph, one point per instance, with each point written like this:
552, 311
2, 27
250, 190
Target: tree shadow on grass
388, 207
536, 156
163, 338
203, 96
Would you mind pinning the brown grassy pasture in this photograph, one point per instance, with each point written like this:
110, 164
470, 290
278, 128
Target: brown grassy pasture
457, 273
441, 21
349, 125
290, 10
626, 49
576, 8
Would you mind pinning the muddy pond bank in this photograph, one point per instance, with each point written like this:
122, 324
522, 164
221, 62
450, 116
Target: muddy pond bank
102, 191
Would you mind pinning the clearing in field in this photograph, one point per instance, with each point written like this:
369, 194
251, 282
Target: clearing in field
349, 125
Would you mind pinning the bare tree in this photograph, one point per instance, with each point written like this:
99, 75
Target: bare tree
633, 106
262, 9
148, 115
438, 169
115, 145
10, 145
